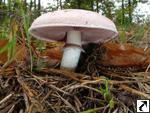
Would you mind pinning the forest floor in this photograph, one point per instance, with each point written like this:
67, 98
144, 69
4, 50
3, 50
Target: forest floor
93, 88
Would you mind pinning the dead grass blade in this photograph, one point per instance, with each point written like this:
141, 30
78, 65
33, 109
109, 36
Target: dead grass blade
134, 91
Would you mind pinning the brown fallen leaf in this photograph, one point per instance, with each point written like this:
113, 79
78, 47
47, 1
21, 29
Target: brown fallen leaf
124, 55
52, 53
3, 56
20, 54
50, 56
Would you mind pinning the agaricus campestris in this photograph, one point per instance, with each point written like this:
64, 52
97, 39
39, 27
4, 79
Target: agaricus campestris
75, 27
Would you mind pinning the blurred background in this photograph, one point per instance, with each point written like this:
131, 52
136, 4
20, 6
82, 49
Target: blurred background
125, 13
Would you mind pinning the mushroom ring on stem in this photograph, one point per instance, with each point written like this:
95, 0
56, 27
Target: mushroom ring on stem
75, 27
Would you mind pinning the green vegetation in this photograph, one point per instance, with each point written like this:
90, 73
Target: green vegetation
104, 91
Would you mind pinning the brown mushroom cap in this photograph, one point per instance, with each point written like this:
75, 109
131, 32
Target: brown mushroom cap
53, 26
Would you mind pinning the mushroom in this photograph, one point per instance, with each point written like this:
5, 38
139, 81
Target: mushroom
75, 27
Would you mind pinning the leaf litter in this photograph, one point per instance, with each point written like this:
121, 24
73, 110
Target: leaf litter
97, 86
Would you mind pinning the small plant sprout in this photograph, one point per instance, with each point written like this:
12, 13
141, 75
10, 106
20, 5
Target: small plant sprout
75, 27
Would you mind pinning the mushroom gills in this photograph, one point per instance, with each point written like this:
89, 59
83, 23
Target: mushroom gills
72, 51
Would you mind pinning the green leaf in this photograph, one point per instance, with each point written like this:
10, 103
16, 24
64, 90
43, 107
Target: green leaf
111, 104
105, 91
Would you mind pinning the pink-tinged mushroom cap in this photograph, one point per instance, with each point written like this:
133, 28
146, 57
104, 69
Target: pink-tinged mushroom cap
53, 26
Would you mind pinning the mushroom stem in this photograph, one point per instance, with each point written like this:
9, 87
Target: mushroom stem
72, 51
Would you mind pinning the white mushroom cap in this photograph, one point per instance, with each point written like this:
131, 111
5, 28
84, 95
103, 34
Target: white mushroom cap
53, 26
